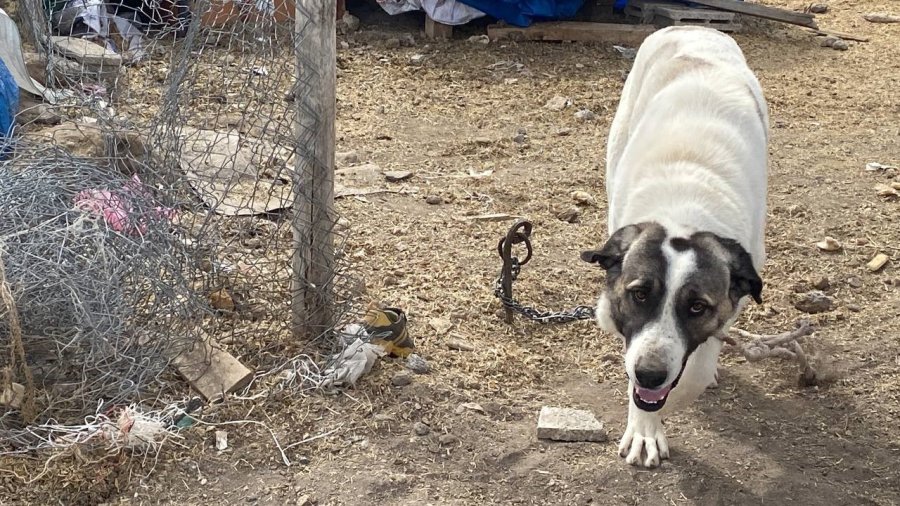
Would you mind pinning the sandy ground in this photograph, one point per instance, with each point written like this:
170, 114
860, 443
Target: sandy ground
465, 433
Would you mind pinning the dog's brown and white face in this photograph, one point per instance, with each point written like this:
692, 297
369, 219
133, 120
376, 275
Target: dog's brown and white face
666, 294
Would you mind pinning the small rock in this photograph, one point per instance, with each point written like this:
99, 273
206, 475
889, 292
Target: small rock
583, 198
417, 364
417, 59
401, 379
345, 45
519, 139
395, 176
563, 132
822, 283
818, 8
222, 300
390, 281
828, 41
570, 215
440, 325
854, 282
853, 308
585, 115
303, 500
392, 43
813, 302
480, 39
830, 244
448, 439
558, 103
407, 40
483, 141
221, 440
421, 429
840, 45
566, 424
346, 158
460, 345
876, 263
881, 17
434, 200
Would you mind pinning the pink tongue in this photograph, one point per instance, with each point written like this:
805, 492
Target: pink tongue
652, 395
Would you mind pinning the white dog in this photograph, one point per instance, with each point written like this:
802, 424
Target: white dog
686, 175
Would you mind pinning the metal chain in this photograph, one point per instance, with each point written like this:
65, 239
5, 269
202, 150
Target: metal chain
520, 233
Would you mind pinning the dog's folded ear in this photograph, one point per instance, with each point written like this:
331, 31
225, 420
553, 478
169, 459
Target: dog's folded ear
612, 253
744, 278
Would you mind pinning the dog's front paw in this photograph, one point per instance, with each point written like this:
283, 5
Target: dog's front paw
644, 435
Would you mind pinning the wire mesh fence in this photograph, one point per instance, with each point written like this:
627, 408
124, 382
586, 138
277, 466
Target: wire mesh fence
172, 197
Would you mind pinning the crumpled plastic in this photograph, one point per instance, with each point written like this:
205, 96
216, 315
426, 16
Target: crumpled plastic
96, 16
115, 207
448, 12
351, 364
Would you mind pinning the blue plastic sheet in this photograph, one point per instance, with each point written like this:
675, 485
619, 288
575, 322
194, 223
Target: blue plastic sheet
524, 12
9, 106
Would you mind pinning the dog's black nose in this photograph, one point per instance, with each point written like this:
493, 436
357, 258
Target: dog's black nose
650, 378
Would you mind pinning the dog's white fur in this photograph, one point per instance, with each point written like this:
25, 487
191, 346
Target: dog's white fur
688, 150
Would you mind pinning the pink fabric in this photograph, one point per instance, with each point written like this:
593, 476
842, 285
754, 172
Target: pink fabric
115, 209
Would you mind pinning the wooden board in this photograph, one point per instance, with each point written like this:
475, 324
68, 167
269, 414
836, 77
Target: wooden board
841, 35
629, 35
762, 11
212, 371
435, 30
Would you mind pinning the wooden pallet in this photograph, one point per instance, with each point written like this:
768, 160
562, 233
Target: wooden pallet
664, 14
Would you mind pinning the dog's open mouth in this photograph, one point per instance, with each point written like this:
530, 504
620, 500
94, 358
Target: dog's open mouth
654, 400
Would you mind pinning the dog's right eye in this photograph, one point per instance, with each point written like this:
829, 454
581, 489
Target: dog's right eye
639, 295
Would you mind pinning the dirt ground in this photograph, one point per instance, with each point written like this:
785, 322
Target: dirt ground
470, 108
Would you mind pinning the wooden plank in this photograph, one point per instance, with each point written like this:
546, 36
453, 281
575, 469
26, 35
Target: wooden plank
629, 35
435, 30
212, 371
312, 283
761, 11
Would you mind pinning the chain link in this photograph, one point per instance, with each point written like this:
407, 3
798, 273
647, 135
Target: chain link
542, 317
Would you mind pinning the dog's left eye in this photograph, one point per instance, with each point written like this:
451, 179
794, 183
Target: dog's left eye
698, 307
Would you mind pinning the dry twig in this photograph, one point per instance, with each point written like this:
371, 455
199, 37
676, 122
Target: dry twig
784, 345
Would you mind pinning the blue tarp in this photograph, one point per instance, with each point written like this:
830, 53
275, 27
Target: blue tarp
524, 12
620, 4
9, 106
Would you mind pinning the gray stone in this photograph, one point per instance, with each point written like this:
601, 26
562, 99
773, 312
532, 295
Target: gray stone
557, 103
421, 429
585, 115
818, 8
566, 424
840, 45
401, 379
434, 200
813, 302
395, 176
417, 364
